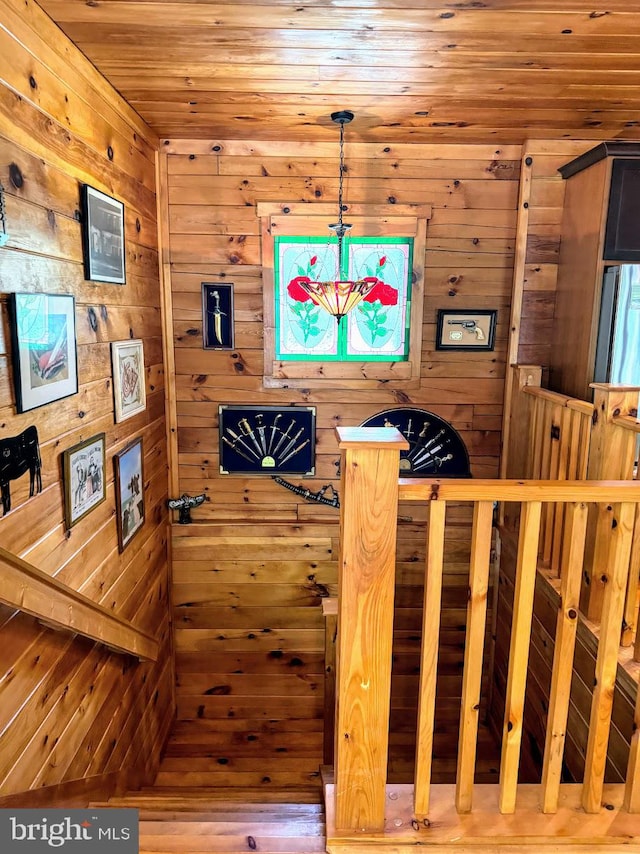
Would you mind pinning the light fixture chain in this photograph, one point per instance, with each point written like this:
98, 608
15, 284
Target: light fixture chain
340, 187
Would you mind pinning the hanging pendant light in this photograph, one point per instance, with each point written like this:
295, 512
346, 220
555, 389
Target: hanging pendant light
338, 297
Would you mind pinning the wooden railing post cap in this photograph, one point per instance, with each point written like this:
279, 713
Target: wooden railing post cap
614, 387
371, 437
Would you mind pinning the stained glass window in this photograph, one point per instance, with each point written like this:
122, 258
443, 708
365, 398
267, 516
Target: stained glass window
377, 329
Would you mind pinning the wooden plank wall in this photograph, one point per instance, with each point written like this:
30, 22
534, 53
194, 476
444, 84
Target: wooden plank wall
543, 245
75, 719
250, 574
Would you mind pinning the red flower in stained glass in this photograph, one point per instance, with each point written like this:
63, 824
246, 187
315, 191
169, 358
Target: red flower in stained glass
297, 292
381, 292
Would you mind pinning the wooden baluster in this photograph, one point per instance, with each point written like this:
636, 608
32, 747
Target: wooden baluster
537, 440
366, 580
526, 568
548, 522
567, 624
330, 614
630, 614
564, 462
614, 582
632, 788
429, 656
585, 448
473, 652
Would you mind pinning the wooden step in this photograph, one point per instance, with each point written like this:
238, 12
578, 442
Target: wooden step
200, 820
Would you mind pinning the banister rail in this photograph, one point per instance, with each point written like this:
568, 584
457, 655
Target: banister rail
369, 508
29, 589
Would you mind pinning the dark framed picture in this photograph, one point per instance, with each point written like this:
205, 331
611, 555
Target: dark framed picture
474, 329
83, 475
129, 482
267, 440
217, 316
129, 390
43, 338
103, 236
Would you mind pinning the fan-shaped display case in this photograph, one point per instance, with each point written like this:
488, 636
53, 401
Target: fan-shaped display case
435, 447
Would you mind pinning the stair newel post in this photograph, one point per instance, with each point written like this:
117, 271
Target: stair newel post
366, 583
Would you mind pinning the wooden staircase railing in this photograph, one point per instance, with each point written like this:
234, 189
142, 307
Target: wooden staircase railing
57, 606
561, 438
369, 495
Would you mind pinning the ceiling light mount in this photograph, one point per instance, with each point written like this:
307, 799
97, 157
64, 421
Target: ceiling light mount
342, 117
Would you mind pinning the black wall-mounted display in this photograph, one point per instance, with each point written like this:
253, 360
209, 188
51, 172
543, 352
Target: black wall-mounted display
622, 235
217, 316
435, 447
267, 440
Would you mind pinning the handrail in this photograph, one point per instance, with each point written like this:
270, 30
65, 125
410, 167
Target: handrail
53, 603
519, 490
559, 399
628, 422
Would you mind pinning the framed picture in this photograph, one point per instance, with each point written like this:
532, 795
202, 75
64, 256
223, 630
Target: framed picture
217, 316
267, 440
129, 479
102, 236
472, 329
83, 475
129, 391
43, 338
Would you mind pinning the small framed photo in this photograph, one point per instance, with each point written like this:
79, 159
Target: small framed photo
83, 475
43, 337
217, 316
129, 481
466, 330
103, 236
129, 391
267, 440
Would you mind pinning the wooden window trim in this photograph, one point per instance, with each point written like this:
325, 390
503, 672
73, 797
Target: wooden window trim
368, 221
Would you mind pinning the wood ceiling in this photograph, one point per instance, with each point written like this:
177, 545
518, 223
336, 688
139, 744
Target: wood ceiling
411, 70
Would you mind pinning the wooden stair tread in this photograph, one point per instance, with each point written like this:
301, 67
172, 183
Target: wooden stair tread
255, 827
214, 806
194, 815
251, 793
229, 845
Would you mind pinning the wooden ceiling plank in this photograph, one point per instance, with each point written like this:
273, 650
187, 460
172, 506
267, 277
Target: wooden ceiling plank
374, 18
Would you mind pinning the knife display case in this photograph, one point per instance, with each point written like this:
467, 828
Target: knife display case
217, 316
267, 440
